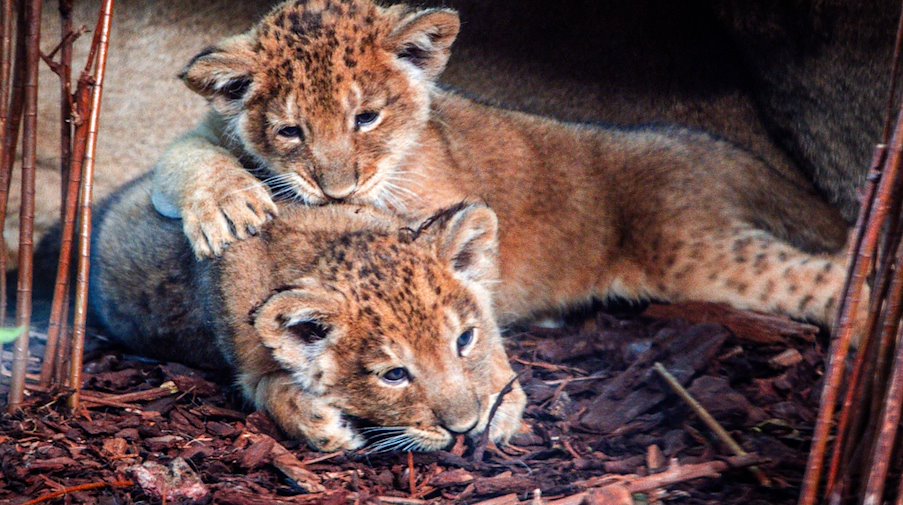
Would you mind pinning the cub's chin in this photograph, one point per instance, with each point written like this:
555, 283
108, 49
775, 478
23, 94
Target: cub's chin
504, 424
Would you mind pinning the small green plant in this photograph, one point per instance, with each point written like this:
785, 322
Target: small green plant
7, 335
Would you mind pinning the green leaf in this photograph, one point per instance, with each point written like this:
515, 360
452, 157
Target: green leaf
7, 335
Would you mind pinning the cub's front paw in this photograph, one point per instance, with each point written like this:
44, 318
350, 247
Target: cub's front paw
217, 212
315, 420
507, 420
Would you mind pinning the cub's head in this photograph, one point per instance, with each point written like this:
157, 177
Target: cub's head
329, 95
396, 328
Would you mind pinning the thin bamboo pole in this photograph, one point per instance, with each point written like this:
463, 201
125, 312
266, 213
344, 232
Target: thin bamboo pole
10, 139
65, 73
850, 415
840, 346
70, 208
26, 212
84, 245
58, 321
6, 60
887, 433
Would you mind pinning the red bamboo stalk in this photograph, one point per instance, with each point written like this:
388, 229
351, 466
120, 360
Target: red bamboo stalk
850, 417
67, 188
10, 138
6, 59
887, 433
840, 345
879, 156
84, 244
26, 211
65, 72
70, 208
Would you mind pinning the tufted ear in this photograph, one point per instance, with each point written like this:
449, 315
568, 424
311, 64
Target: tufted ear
467, 238
424, 39
293, 318
222, 72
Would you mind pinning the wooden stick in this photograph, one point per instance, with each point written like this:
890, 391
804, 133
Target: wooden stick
6, 59
710, 421
87, 192
858, 384
61, 294
168, 388
26, 212
887, 433
75, 489
65, 74
840, 345
6, 56
484, 438
412, 475
673, 475
10, 138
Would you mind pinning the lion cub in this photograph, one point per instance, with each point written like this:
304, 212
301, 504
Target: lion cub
336, 100
330, 314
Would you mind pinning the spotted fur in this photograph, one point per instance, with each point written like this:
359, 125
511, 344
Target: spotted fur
585, 212
313, 312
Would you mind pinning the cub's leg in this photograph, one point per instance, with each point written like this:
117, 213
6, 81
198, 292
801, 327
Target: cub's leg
205, 185
749, 268
507, 420
302, 414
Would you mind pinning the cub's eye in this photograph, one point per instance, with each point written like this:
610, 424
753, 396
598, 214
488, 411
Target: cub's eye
291, 132
396, 376
465, 340
365, 119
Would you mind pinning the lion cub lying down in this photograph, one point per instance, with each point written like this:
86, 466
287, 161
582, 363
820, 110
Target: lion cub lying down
329, 100
328, 314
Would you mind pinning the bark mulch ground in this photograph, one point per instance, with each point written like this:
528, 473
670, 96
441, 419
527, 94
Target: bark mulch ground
601, 427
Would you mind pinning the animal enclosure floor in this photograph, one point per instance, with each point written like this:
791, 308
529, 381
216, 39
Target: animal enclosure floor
597, 415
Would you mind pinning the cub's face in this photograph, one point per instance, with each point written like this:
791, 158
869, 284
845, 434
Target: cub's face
398, 330
329, 95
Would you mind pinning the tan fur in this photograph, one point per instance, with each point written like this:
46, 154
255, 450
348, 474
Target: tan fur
313, 311
585, 212
621, 63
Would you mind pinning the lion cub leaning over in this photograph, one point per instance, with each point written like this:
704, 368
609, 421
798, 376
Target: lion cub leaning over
329, 100
330, 312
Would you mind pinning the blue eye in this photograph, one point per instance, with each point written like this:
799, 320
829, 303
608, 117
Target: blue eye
396, 376
365, 119
291, 132
464, 341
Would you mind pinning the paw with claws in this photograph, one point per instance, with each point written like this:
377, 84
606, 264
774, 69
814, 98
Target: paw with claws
221, 210
303, 415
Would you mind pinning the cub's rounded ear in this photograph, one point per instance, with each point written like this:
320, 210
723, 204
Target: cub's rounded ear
467, 238
291, 318
424, 39
223, 71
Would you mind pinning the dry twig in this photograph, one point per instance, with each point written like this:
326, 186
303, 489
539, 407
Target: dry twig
710, 421
675, 474
10, 137
64, 70
77, 489
484, 438
102, 36
26, 210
